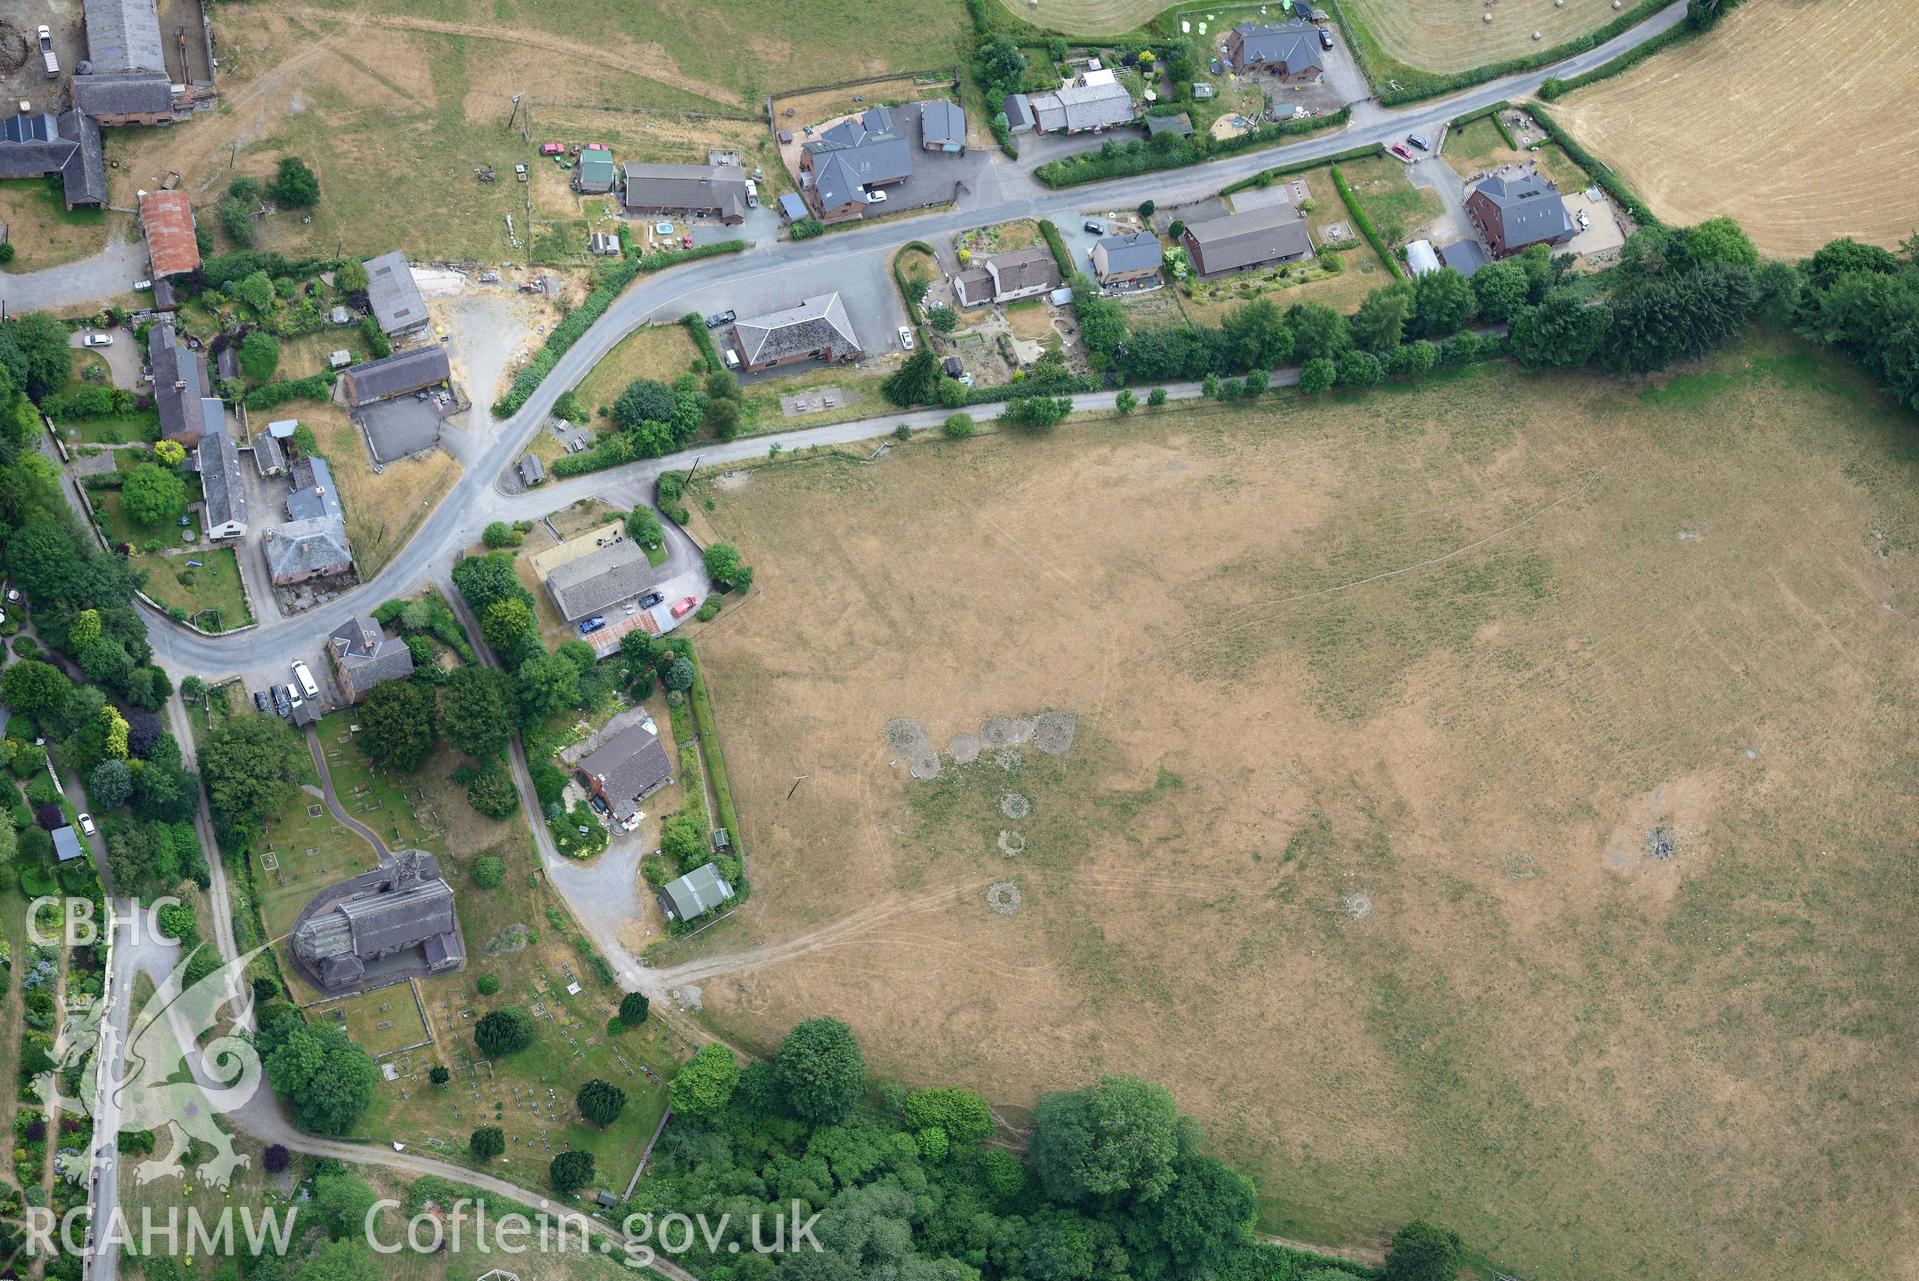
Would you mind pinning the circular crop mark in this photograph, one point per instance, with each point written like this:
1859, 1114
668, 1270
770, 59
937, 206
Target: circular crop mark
1011, 844
1003, 897
1015, 806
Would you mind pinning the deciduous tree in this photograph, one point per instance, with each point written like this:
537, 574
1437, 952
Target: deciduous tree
820, 1070
702, 1087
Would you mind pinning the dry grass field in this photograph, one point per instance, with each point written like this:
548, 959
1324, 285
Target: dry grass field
659, 352
1087, 17
1690, 129
382, 508
1500, 816
1448, 35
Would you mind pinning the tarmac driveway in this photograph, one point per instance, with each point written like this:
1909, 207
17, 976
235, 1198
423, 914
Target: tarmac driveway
124, 361
865, 285
107, 274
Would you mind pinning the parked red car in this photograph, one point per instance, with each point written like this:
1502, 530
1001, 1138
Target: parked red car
1401, 152
553, 149
684, 608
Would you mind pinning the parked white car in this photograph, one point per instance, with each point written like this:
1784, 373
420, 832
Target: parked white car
98, 340
906, 338
86, 824
876, 197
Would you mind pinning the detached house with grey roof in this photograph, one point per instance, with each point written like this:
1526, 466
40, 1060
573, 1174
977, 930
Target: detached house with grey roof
817, 329
1516, 211
603, 578
363, 656
1131, 259
1290, 50
303, 550
1243, 241
1089, 103
717, 191
853, 158
1008, 277
397, 303
626, 769
224, 512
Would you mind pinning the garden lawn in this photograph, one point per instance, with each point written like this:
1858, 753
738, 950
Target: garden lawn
215, 584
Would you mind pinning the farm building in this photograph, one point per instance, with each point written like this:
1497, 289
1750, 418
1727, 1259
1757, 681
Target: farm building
39, 144
125, 98
166, 217
363, 656
395, 375
855, 156
224, 513
1290, 50
1465, 257
695, 894
532, 471
1513, 211
1008, 277
397, 304
1018, 110
1243, 241
393, 922
718, 191
1128, 259
269, 457
180, 386
302, 550
596, 174
817, 329
312, 494
942, 126
1093, 101
627, 768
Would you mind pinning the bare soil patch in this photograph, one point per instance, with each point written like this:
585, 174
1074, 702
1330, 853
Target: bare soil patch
1366, 693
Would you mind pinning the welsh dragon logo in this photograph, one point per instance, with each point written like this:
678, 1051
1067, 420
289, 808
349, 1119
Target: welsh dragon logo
139, 1075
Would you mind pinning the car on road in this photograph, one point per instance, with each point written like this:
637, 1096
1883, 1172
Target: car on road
98, 340
651, 599
1418, 140
593, 624
1400, 151
1325, 38
719, 318
906, 338
684, 608
86, 823
281, 704
1095, 226
259, 700
876, 197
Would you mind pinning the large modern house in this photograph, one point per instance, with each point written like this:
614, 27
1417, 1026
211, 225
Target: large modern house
717, 191
1290, 50
224, 512
817, 329
363, 656
856, 156
1008, 277
625, 769
392, 923
1516, 210
397, 304
1243, 241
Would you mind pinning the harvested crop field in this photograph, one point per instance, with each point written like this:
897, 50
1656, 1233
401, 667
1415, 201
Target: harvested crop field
1447, 36
1087, 17
1501, 817
1692, 130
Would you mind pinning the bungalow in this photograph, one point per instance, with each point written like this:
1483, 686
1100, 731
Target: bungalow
397, 303
1290, 50
302, 550
1093, 101
626, 769
224, 513
695, 894
942, 126
1515, 211
717, 191
817, 329
166, 217
1018, 273
363, 656
596, 174
853, 158
1130, 259
395, 375
586, 579
1243, 241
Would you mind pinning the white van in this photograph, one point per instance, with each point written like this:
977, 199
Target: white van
301, 674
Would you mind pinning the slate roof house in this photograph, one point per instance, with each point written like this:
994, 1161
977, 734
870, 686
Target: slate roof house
363, 656
1289, 50
695, 894
302, 550
817, 329
312, 495
718, 191
626, 769
1018, 109
125, 97
1018, 273
224, 513
1515, 211
596, 173
395, 375
1127, 259
180, 386
857, 155
167, 219
396, 300
269, 456
393, 922
603, 578
36, 144
1094, 101
942, 126
1243, 241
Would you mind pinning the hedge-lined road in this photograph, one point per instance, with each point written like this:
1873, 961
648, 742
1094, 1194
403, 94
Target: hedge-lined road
1005, 192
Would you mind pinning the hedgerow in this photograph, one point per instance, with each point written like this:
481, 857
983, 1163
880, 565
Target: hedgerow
1365, 224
